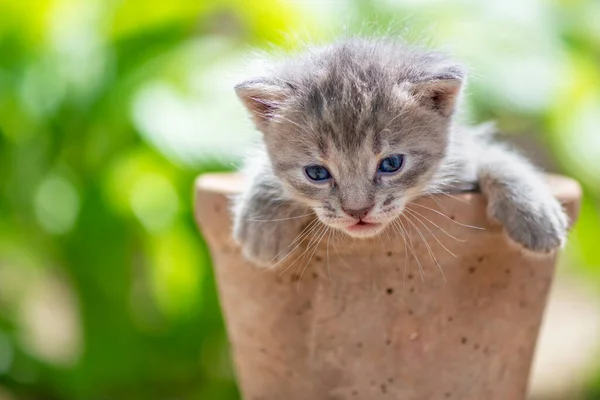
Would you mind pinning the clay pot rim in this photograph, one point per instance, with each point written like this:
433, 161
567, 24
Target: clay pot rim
567, 190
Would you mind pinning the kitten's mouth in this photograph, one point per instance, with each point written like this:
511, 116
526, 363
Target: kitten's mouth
362, 228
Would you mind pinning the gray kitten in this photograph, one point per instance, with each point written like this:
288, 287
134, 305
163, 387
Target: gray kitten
356, 130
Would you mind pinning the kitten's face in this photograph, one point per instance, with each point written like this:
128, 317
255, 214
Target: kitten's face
357, 172
358, 130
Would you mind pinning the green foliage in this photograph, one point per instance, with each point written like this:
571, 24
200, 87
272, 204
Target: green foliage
110, 109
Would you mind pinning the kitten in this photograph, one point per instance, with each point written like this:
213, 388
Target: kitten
356, 130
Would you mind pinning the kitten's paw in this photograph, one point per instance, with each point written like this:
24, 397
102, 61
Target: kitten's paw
539, 226
265, 244
259, 249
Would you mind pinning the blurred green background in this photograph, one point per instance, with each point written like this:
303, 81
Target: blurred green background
110, 108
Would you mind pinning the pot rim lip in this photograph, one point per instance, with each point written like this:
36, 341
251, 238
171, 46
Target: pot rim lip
566, 189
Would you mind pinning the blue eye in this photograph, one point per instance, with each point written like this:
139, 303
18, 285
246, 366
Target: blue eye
391, 164
317, 173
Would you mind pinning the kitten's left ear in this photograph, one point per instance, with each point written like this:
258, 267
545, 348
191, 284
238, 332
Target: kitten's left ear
262, 97
440, 93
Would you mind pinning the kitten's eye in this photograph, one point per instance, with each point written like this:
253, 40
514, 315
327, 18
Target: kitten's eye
317, 173
391, 164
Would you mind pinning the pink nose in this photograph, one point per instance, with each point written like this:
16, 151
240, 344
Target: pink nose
359, 213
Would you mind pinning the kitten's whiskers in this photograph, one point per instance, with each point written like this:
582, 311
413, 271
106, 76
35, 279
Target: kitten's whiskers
445, 216
314, 235
315, 248
434, 224
300, 238
279, 219
412, 248
396, 226
427, 246
432, 234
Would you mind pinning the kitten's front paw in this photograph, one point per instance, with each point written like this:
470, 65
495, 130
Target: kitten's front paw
258, 246
266, 244
539, 226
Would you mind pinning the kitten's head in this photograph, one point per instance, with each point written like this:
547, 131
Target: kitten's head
358, 129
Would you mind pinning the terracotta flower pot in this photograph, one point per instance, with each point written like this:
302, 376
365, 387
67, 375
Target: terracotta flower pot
359, 321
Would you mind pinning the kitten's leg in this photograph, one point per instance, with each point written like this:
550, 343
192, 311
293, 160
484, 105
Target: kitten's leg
520, 199
266, 225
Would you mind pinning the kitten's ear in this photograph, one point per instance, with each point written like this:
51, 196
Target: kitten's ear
440, 93
262, 98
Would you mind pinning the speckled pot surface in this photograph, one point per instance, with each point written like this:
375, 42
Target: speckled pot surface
360, 321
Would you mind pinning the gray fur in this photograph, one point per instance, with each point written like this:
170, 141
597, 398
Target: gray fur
348, 105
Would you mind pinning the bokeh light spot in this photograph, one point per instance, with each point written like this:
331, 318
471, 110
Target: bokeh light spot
56, 204
154, 202
175, 278
50, 324
6, 353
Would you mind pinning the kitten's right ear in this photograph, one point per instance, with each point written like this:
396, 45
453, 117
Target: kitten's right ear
262, 98
440, 91
439, 95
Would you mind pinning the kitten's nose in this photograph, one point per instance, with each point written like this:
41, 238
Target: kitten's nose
358, 213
